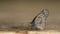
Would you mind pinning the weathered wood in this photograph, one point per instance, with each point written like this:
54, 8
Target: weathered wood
12, 32
44, 32
31, 32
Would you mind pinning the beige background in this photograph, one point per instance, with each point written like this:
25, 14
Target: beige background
23, 12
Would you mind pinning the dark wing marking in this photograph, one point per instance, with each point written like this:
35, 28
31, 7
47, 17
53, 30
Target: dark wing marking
33, 20
37, 19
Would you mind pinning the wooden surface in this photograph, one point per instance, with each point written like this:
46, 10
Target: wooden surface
31, 32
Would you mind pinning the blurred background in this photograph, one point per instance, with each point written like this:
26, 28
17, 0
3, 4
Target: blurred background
21, 13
